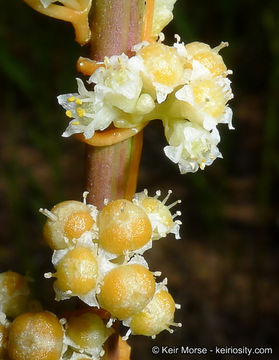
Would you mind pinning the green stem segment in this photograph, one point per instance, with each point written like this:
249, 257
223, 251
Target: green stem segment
111, 171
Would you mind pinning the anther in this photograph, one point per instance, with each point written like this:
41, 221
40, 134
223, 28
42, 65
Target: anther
69, 113
126, 337
84, 195
109, 323
48, 275
158, 194
177, 37
78, 101
161, 37
157, 273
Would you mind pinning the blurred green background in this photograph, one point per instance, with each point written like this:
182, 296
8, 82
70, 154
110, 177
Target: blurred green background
224, 271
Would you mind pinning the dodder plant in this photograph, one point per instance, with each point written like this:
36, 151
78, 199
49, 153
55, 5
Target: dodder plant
99, 244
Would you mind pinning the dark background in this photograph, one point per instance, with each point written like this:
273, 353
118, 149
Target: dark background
224, 271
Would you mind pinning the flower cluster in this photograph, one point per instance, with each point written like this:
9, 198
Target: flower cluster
28, 332
184, 86
98, 257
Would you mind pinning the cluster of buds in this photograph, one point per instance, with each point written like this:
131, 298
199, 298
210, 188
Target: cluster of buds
186, 86
98, 257
28, 332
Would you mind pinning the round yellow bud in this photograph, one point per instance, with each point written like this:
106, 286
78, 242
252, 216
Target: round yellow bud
77, 223
163, 65
210, 96
88, 331
35, 336
126, 290
68, 219
77, 271
207, 57
14, 293
123, 226
155, 317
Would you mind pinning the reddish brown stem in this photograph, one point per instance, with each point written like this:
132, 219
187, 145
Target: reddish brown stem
112, 171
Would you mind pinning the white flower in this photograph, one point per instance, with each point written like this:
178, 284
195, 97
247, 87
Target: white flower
159, 214
204, 98
88, 110
119, 81
191, 146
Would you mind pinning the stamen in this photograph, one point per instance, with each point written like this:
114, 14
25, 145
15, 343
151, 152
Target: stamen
166, 198
48, 275
84, 195
177, 37
221, 46
178, 213
161, 37
173, 204
157, 273
158, 194
176, 324
69, 113
75, 123
80, 112
109, 323
102, 352
63, 321
126, 337
48, 214
71, 99
78, 101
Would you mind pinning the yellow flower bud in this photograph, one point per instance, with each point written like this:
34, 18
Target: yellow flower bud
35, 336
14, 293
68, 219
157, 316
88, 332
126, 290
123, 226
164, 69
77, 271
208, 57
